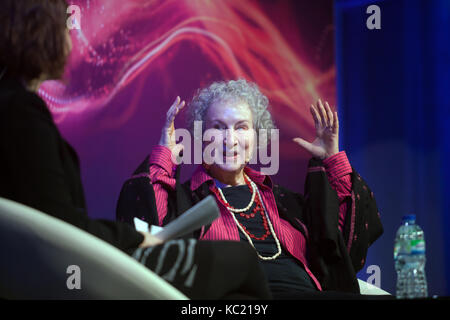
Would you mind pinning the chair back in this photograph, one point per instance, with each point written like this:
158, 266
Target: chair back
42, 257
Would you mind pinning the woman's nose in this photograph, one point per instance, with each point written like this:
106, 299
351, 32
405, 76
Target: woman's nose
230, 138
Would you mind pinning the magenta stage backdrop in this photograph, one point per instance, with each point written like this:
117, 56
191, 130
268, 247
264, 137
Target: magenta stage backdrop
131, 58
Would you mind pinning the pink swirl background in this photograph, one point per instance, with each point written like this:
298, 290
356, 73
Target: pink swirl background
131, 58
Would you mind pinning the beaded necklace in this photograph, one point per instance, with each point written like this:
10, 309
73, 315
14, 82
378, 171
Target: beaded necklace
259, 208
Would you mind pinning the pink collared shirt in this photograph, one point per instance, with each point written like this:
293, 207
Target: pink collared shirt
338, 171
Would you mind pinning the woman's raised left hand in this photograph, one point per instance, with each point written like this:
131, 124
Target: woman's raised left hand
326, 122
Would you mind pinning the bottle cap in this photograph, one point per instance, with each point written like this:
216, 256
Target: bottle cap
409, 217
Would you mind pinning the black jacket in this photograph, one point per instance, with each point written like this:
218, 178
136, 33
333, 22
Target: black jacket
334, 256
40, 169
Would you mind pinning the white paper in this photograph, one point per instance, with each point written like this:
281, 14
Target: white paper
140, 225
203, 213
155, 229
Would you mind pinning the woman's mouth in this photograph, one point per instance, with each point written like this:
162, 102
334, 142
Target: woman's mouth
230, 155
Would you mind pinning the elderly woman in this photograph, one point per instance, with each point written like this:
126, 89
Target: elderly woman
306, 244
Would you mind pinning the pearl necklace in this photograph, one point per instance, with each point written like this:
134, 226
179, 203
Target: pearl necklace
247, 207
255, 190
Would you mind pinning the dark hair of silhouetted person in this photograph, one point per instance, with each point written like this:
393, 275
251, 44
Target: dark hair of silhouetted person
33, 38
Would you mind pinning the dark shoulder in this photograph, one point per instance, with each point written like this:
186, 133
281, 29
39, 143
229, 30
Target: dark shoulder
281, 192
18, 105
25, 121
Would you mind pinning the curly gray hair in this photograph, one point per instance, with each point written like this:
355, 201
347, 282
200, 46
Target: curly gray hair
241, 90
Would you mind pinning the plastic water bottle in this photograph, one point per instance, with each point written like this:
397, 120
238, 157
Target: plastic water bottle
409, 257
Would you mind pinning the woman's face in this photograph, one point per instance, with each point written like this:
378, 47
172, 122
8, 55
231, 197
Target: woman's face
230, 122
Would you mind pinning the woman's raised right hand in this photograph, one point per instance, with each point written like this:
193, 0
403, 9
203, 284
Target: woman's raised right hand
168, 130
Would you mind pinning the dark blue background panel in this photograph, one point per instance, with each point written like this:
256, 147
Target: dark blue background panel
393, 97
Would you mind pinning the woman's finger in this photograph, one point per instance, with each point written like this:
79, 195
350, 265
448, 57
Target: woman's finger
180, 106
173, 110
313, 149
330, 115
149, 240
322, 113
336, 123
174, 105
303, 143
316, 116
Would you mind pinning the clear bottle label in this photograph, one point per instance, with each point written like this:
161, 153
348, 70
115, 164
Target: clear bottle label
416, 246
